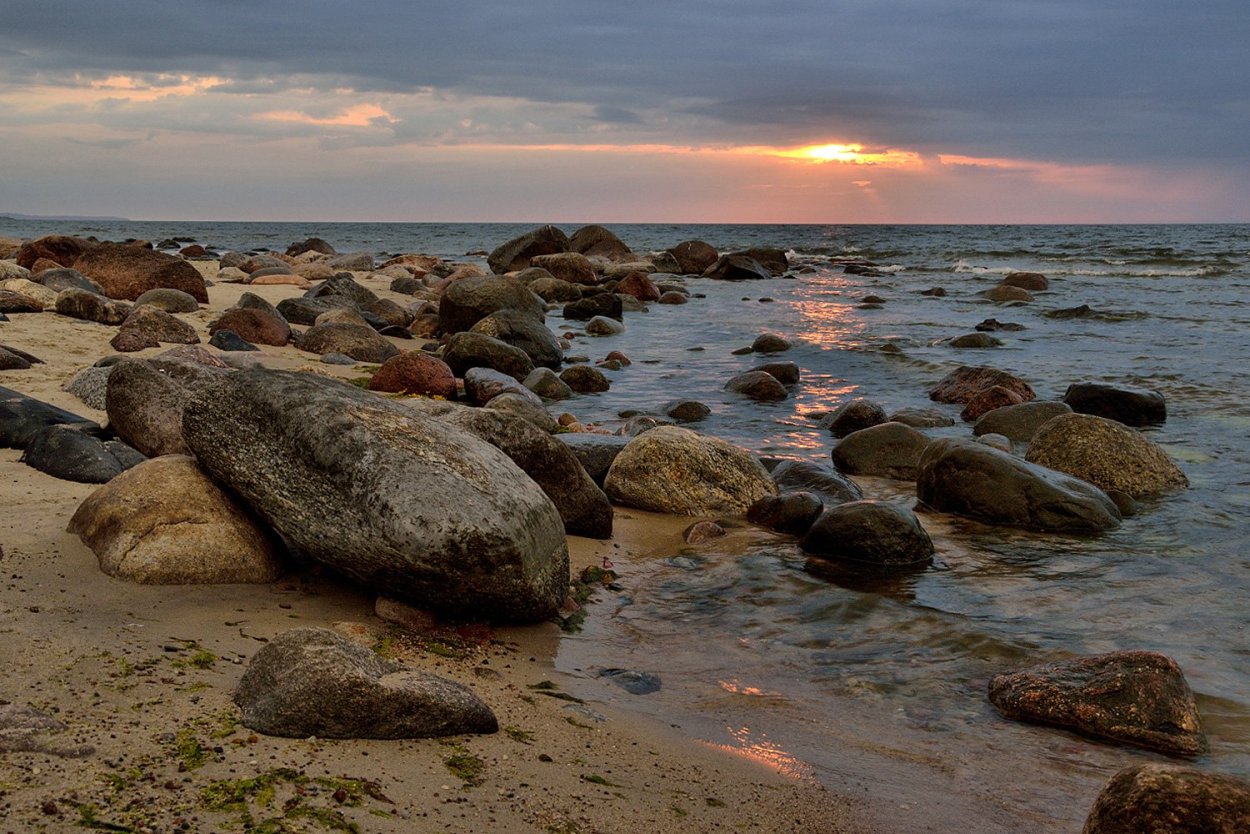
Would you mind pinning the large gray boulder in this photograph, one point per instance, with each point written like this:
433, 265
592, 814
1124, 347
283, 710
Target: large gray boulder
468, 349
1136, 697
313, 682
595, 452
364, 344
1106, 453
553, 466
1021, 421
406, 505
890, 450
467, 301
1163, 799
962, 476
165, 523
831, 486
515, 254
144, 406
677, 471
522, 330
872, 534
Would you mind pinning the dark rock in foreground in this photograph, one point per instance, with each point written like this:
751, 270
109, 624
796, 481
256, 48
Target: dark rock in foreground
852, 416
595, 452
71, 455
791, 512
891, 450
22, 417
962, 476
831, 486
313, 682
1162, 799
1140, 698
404, 504
1019, 422
870, 533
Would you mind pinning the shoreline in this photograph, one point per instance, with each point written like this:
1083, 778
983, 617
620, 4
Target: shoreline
143, 675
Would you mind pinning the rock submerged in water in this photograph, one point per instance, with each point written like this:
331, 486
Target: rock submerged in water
313, 682
964, 477
677, 471
1123, 403
1164, 799
1019, 421
404, 504
1136, 697
1106, 453
872, 534
964, 383
887, 449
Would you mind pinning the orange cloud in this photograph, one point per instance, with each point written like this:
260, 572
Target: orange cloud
359, 115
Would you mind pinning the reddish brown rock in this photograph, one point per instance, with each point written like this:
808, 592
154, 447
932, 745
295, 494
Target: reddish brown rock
568, 266
419, 263
254, 325
133, 340
16, 302
127, 272
1162, 799
43, 265
596, 241
159, 325
415, 373
640, 286
985, 401
694, 256
702, 531
1136, 697
516, 254
195, 250
964, 383
63, 250
1032, 281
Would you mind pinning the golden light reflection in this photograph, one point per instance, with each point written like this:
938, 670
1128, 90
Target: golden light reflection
755, 747
850, 154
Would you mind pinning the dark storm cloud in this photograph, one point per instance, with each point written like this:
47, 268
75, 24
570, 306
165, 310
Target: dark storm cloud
1096, 80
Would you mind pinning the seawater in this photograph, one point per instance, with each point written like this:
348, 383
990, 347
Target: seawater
878, 690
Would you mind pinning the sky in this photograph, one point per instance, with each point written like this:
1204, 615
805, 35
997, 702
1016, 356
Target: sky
792, 111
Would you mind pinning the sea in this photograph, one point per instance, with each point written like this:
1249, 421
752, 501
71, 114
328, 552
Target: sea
877, 690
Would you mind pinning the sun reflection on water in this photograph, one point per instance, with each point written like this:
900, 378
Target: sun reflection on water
756, 747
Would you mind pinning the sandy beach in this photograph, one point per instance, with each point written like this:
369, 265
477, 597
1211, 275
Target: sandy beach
140, 680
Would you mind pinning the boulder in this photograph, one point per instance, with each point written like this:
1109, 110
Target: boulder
10, 271
467, 350
1031, 281
228, 340
964, 383
686, 411
852, 416
313, 682
253, 325
694, 257
736, 268
144, 407
45, 296
792, 513
1106, 453
964, 477
165, 523
90, 385
133, 340
545, 383
10, 361
920, 418
553, 290
524, 331
597, 242
987, 400
469, 300
515, 254
155, 324
352, 262
60, 248
772, 259
64, 279
16, 302
975, 340
603, 304
406, 505
595, 452
481, 385
312, 244
673, 297
171, 301
890, 450
306, 310
585, 380
255, 263
127, 272
525, 406
360, 343
1127, 404
826, 483
1004, 294
640, 286
344, 290
412, 372
1019, 422
758, 385
583, 507
676, 471
1162, 799
22, 417
568, 266
64, 452
873, 534
787, 373
769, 343
1136, 697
